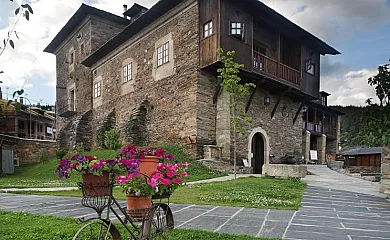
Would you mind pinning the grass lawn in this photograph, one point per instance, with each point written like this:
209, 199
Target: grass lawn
265, 192
21, 226
43, 174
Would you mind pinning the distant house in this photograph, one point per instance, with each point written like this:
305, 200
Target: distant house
362, 157
31, 122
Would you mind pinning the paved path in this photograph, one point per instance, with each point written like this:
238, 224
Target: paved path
327, 178
325, 214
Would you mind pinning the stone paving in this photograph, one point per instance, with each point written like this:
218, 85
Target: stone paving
325, 214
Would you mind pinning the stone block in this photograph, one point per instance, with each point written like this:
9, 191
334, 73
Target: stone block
285, 170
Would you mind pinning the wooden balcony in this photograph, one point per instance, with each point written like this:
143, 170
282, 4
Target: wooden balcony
319, 129
263, 63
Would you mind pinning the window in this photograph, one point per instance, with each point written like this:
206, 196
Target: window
163, 54
310, 67
71, 60
208, 29
323, 100
97, 90
82, 48
237, 30
127, 72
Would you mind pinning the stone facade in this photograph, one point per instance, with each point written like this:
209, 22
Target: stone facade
385, 181
74, 81
27, 150
284, 136
171, 90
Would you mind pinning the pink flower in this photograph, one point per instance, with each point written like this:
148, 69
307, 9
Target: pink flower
160, 152
177, 181
170, 174
152, 182
90, 158
165, 181
121, 179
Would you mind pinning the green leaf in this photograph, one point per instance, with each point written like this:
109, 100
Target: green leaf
17, 11
29, 8
27, 15
16, 35
1, 72
12, 43
20, 92
18, 106
9, 102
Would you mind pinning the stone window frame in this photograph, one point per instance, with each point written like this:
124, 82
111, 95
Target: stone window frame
97, 89
208, 29
82, 48
127, 72
163, 54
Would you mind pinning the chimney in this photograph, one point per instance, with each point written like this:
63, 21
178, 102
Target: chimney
124, 10
21, 100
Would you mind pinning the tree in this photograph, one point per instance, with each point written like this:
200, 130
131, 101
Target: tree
376, 117
24, 10
238, 91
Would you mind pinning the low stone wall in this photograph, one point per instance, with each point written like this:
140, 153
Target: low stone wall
336, 165
285, 170
27, 150
385, 181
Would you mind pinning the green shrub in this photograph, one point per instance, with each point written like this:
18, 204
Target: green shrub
43, 155
111, 139
60, 154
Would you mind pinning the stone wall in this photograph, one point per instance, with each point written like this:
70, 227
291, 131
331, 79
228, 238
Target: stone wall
172, 100
385, 181
27, 150
284, 136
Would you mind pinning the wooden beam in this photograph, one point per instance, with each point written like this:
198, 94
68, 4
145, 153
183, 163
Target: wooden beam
253, 91
217, 90
278, 102
298, 112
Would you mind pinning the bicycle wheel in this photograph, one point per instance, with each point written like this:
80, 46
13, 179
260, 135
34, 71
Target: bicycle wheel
160, 223
98, 230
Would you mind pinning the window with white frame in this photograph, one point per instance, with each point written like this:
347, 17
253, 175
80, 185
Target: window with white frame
163, 54
237, 30
208, 29
97, 89
127, 72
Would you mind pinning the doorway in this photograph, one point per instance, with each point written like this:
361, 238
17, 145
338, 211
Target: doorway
258, 153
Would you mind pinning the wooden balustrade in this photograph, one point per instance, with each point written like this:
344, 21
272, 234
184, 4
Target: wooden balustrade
269, 65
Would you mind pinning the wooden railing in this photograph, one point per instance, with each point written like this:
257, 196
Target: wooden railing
310, 126
269, 65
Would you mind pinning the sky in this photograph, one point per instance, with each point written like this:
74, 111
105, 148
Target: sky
359, 29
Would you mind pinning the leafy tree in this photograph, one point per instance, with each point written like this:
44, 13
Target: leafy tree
376, 117
238, 91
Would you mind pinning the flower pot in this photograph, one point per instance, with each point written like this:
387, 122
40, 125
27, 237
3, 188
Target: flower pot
138, 207
148, 165
94, 185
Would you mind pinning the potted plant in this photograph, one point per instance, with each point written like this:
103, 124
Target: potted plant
148, 157
95, 172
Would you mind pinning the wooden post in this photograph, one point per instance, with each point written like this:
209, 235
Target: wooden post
278, 55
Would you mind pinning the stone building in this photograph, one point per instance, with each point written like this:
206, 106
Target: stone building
152, 74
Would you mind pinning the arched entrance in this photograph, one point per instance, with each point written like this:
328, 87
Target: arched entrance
258, 153
258, 150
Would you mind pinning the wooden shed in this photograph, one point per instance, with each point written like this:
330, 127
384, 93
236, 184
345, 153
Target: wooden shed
362, 156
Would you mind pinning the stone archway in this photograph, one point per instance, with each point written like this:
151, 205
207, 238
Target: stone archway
251, 138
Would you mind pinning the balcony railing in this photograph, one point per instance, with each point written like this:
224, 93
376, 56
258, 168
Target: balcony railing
310, 126
67, 108
268, 65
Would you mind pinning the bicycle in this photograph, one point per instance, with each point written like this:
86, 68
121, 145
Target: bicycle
154, 222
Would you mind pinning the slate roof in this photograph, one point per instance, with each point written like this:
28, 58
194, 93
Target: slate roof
357, 150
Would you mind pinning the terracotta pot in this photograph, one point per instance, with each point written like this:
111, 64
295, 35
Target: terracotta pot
138, 207
94, 185
148, 165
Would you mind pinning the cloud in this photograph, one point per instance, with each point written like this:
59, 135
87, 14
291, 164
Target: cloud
334, 20
351, 88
